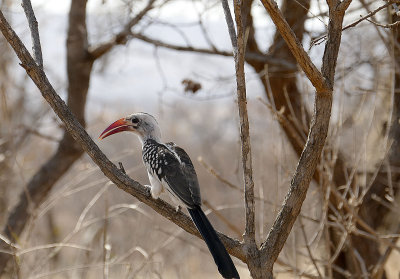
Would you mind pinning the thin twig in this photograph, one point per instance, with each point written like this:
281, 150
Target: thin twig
379, 267
360, 259
389, 25
308, 248
284, 122
217, 175
223, 218
372, 13
39, 134
123, 36
231, 25
249, 234
33, 26
250, 56
320, 39
360, 221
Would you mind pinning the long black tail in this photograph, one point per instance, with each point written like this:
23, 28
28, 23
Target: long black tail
221, 257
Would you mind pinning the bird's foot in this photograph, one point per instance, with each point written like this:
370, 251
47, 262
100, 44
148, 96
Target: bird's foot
178, 209
149, 188
154, 193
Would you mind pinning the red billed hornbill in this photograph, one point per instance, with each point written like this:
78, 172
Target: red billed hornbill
170, 168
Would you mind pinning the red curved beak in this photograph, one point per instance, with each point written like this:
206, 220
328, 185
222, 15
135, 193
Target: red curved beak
118, 126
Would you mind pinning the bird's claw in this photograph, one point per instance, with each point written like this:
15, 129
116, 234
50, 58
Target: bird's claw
148, 187
154, 194
178, 209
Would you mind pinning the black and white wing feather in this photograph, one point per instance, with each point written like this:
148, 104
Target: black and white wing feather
181, 176
173, 167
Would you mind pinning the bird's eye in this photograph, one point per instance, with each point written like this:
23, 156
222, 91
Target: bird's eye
135, 121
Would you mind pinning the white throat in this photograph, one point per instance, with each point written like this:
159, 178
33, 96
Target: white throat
154, 134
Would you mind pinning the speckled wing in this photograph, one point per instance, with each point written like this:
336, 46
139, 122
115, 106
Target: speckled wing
180, 176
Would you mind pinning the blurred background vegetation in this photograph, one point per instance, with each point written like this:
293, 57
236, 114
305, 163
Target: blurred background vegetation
172, 59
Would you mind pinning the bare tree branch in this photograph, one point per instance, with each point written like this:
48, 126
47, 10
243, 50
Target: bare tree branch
323, 83
238, 46
250, 56
355, 23
296, 48
230, 225
231, 25
310, 255
389, 25
121, 37
218, 176
238, 51
77, 131
249, 234
33, 26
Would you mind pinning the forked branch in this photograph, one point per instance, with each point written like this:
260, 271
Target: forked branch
323, 83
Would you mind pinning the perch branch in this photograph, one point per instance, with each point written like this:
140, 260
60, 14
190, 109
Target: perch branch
76, 130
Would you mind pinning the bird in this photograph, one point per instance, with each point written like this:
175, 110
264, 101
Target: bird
170, 169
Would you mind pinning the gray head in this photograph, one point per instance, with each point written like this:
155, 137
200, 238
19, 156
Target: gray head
142, 124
